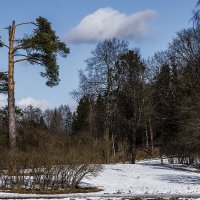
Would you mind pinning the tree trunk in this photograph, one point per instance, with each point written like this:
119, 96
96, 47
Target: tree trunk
133, 150
147, 136
133, 154
11, 85
113, 145
151, 136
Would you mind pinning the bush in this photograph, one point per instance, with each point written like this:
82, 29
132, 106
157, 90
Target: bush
35, 171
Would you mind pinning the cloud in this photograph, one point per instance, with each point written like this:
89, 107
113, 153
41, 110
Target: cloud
41, 103
73, 107
3, 100
106, 23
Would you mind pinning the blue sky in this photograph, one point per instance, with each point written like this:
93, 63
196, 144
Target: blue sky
147, 24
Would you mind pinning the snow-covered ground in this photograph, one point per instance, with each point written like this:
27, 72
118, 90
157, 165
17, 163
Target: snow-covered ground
144, 179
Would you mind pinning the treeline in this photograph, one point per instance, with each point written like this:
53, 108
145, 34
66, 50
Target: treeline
31, 120
53, 136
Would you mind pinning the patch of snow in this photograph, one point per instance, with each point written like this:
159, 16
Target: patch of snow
148, 177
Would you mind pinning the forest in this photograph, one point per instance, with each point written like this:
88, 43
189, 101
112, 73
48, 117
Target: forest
129, 108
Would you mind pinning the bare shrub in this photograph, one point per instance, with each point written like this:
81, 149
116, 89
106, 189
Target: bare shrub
36, 173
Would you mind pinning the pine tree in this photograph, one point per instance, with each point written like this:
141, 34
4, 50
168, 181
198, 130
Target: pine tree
40, 48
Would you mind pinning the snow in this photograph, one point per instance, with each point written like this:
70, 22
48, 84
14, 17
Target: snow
145, 179
150, 178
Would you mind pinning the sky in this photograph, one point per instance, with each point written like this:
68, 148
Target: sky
146, 24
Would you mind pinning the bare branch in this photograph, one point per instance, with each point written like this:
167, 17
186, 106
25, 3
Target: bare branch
18, 47
198, 4
22, 55
20, 60
36, 61
28, 59
25, 24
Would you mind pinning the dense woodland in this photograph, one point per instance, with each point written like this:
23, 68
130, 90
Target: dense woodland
128, 107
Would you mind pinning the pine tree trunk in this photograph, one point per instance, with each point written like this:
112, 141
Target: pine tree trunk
11, 85
12, 123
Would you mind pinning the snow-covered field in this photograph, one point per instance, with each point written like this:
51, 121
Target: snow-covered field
144, 179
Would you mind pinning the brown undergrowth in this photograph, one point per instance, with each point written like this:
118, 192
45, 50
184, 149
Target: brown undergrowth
48, 168
50, 191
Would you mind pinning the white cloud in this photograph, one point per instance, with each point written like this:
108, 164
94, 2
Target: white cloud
41, 103
73, 106
3, 100
106, 23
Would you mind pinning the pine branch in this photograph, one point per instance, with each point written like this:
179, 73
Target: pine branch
27, 58
4, 45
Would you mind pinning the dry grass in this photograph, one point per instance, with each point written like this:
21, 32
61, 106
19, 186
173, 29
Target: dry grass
143, 154
60, 191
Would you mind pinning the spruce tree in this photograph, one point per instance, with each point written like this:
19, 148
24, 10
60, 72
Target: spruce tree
80, 121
